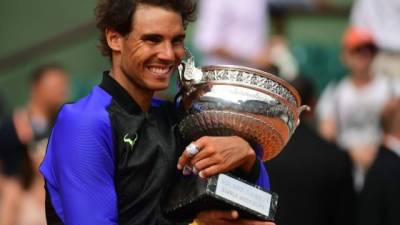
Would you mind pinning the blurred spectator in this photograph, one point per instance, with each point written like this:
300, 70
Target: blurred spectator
23, 140
282, 58
236, 33
311, 176
233, 32
382, 19
349, 110
380, 198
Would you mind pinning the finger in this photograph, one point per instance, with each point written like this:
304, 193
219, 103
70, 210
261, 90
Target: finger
183, 159
191, 150
187, 170
186, 156
207, 149
205, 152
211, 171
205, 163
218, 215
202, 142
253, 222
207, 221
195, 171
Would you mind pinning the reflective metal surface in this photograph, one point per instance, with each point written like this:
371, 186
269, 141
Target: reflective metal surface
235, 100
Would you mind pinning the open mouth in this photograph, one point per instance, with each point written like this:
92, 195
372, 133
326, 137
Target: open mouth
160, 71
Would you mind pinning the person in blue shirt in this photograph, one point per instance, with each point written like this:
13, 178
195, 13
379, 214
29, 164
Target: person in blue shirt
113, 154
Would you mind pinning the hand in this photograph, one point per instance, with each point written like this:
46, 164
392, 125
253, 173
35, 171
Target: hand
22, 126
218, 155
216, 217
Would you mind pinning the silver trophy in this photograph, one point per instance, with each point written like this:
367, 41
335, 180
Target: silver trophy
229, 100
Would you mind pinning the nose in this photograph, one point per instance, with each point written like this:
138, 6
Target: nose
167, 52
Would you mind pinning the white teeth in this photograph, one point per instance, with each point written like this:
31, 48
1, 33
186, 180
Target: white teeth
159, 70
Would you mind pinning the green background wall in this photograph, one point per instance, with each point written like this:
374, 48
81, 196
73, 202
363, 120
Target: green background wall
25, 23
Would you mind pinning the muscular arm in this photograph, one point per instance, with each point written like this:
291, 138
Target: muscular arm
79, 170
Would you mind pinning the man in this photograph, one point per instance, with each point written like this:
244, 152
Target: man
233, 32
380, 20
349, 110
113, 154
22, 140
380, 198
236, 33
312, 177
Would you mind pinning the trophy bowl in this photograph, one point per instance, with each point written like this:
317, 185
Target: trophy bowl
228, 100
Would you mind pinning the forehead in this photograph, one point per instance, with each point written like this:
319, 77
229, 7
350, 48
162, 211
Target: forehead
155, 19
52, 75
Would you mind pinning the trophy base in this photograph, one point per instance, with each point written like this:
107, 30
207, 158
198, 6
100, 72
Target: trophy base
192, 194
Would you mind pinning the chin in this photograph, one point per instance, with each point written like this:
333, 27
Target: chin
159, 87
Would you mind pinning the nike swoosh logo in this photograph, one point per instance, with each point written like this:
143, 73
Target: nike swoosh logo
129, 141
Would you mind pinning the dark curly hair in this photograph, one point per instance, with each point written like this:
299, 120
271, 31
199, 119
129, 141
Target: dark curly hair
118, 14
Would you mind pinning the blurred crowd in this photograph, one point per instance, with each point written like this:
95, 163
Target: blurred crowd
23, 141
342, 165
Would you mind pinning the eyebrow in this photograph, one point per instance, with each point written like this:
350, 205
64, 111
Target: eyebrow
180, 36
150, 36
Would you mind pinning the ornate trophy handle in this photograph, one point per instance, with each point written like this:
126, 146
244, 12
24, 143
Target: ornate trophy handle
189, 75
300, 110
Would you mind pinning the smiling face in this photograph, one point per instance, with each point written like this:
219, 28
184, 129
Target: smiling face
52, 89
149, 54
359, 60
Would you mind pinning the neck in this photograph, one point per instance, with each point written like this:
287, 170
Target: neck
37, 109
141, 96
361, 79
392, 142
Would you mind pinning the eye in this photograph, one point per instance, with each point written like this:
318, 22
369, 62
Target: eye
178, 41
152, 39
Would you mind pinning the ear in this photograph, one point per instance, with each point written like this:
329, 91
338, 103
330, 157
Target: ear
114, 39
